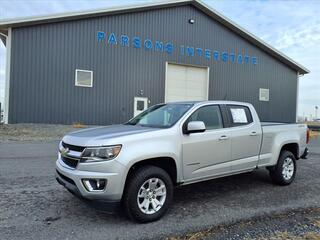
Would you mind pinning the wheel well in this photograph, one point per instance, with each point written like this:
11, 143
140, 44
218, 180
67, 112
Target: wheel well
293, 148
166, 163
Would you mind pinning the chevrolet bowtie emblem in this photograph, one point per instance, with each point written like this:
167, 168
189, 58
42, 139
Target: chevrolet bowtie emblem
64, 151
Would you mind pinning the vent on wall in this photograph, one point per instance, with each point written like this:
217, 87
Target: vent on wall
264, 94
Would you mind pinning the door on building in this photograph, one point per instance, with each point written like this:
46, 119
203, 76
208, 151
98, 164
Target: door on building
140, 104
186, 83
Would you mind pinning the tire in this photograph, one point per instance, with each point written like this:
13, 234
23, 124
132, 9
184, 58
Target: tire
285, 170
142, 179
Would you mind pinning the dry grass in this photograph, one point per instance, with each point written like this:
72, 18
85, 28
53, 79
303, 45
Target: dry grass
78, 125
313, 123
276, 236
317, 223
288, 236
33, 132
192, 236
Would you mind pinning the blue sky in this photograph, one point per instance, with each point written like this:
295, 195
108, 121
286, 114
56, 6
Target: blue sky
293, 27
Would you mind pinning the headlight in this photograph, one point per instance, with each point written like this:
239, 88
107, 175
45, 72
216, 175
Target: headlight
100, 153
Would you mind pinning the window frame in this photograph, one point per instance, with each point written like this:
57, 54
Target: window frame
222, 115
229, 115
81, 85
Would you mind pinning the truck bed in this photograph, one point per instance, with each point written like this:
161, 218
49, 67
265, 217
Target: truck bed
275, 134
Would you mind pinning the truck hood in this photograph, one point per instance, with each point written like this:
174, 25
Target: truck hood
91, 136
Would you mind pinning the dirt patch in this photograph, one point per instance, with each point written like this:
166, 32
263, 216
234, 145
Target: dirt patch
293, 225
35, 132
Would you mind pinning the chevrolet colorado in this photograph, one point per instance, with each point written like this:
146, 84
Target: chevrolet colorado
136, 165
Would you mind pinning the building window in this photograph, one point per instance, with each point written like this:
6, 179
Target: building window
264, 94
84, 78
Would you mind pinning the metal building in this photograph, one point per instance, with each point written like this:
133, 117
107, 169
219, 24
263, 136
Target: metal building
102, 67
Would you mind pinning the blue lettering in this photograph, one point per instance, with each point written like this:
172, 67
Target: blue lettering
190, 51
169, 48
207, 54
254, 60
216, 55
246, 58
100, 36
224, 56
148, 44
136, 42
232, 57
199, 51
159, 46
124, 41
112, 39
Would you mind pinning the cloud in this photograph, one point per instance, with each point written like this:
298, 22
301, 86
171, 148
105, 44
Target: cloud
292, 27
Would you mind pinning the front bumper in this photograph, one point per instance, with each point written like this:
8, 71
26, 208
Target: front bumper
107, 200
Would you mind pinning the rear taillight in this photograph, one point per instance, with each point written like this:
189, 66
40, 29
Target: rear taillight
308, 135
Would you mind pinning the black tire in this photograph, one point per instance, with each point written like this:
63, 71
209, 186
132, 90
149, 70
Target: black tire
276, 171
134, 182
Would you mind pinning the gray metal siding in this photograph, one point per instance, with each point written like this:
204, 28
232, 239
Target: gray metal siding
44, 59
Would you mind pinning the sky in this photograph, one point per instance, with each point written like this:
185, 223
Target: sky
291, 26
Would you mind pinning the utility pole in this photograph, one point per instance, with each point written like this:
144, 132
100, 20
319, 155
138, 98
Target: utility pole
316, 112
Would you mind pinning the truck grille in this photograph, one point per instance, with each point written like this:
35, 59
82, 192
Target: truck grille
71, 162
70, 159
72, 147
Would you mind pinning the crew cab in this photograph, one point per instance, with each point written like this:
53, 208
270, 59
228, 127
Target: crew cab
135, 165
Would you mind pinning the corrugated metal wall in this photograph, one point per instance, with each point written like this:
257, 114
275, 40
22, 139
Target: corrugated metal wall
44, 59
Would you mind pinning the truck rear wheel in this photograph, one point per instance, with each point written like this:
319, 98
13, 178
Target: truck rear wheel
148, 194
285, 170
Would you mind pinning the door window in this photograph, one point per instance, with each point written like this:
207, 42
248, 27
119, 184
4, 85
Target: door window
210, 115
239, 115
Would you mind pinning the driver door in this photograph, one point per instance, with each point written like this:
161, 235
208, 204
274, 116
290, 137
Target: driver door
208, 153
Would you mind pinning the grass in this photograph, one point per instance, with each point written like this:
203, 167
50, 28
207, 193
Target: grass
275, 236
317, 223
309, 218
288, 236
78, 125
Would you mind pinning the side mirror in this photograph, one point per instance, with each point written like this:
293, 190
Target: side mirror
196, 127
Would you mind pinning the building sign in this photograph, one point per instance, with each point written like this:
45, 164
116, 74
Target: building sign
169, 48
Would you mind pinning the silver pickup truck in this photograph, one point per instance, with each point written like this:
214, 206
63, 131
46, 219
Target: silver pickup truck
136, 165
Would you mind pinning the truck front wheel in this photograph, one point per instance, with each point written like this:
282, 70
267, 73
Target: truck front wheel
285, 170
148, 194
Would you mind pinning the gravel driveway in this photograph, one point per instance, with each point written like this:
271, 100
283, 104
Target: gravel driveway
34, 206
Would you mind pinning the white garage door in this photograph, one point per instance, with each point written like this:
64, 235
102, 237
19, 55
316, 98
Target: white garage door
186, 83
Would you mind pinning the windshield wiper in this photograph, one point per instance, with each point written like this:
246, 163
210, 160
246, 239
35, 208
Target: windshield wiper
130, 123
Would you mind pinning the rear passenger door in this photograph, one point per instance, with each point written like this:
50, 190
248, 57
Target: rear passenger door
245, 138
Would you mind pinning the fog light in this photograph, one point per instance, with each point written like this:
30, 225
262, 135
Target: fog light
94, 185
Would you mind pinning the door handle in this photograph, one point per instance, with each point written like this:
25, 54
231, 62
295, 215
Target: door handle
223, 137
253, 133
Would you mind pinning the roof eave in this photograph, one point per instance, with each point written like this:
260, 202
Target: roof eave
250, 37
25, 21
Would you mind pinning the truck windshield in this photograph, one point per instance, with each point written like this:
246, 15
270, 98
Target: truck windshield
161, 115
